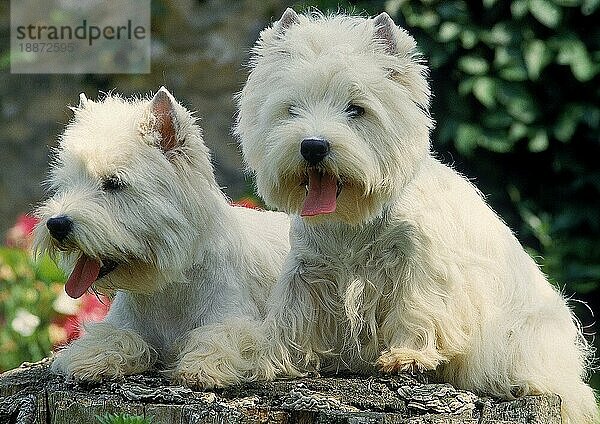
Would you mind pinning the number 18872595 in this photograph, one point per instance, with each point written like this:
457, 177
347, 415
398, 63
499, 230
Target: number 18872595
47, 47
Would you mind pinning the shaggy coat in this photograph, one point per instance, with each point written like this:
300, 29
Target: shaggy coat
410, 269
190, 271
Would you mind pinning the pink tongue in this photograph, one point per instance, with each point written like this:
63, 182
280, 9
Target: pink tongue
83, 276
321, 197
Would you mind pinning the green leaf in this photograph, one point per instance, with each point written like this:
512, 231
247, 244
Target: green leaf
539, 141
47, 270
430, 19
591, 116
426, 20
392, 7
448, 31
518, 101
495, 143
473, 65
586, 271
469, 39
522, 110
447, 130
502, 57
465, 87
467, 137
497, 119
539, 224
453, 11
500, 34
514, 73
517, 131
518, 8
536, 56
567, 122
574, 53
546, 12
589, 7
506, 57
484, 90
567, 3
581, 65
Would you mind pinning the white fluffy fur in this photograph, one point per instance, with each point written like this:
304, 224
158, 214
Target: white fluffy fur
192, 268
413, 271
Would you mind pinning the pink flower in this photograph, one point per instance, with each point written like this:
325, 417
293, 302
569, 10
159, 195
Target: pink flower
91, 309
20, 235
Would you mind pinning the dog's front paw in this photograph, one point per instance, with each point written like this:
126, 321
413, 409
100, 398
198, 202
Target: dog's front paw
205, 371
397, 360
84, 365
104, 352
219, 355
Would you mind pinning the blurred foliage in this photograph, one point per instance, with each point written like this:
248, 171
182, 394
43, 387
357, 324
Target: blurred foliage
28, 290
517, 103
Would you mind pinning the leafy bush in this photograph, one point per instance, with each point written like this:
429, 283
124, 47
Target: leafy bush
27, 293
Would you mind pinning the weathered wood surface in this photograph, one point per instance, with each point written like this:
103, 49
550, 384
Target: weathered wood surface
31, 394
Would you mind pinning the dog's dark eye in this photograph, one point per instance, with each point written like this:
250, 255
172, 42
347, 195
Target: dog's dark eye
293, 111
354, 111
112, 183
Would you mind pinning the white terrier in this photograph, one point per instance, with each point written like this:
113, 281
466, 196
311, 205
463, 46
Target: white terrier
137, 209
396, 262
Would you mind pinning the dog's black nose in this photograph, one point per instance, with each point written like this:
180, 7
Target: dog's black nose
314, 150
60, 227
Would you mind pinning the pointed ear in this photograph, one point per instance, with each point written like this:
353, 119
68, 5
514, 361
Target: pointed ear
289, 18
162, 108
385, 30
83, 101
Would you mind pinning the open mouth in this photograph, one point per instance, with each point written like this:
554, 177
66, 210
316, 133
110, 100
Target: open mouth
107, 266
322, 191
87, 270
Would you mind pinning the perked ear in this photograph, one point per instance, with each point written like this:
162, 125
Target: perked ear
289, 18
385, 30
162, 107
83, 101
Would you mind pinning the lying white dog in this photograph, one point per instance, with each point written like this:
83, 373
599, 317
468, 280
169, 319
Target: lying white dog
137, 209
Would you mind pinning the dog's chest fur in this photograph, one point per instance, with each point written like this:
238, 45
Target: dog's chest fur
367, 252
352, 271
195, 299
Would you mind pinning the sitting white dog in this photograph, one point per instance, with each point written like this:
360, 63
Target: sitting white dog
396, 261
137, 209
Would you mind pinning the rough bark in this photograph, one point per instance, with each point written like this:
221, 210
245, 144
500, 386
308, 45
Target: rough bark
31, 394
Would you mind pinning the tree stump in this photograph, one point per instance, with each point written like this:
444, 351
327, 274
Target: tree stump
32, 394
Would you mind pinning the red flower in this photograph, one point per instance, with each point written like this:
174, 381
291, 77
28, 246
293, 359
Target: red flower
91, 309
20, 235
247, 202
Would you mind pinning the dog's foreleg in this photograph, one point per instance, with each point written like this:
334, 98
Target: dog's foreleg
424, 324
104, 351
290, 327
219, 355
